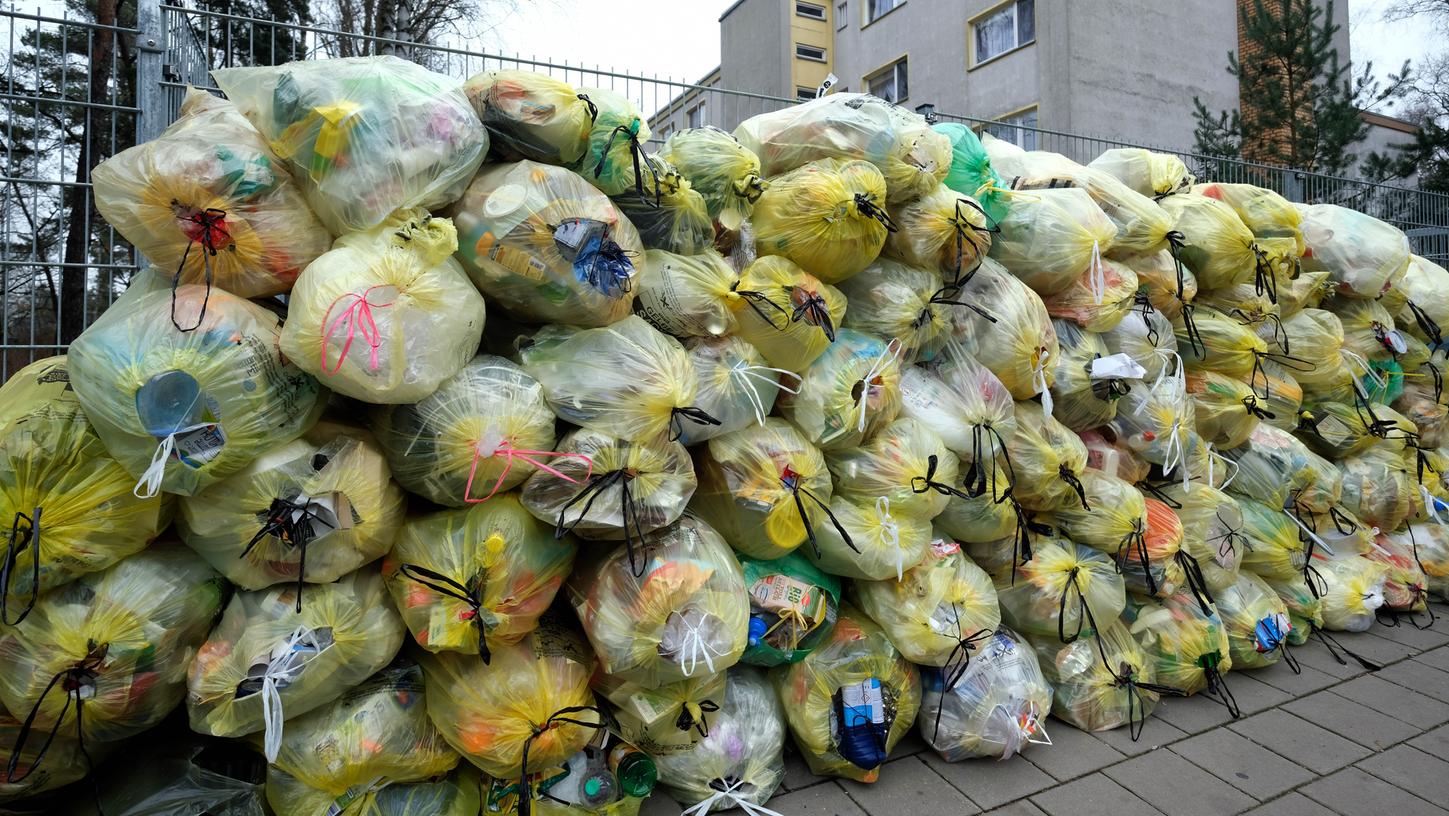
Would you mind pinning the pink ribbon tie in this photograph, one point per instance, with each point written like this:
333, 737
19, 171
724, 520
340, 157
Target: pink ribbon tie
532, 457
359, 320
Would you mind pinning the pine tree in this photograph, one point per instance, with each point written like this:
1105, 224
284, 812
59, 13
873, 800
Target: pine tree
1299, 104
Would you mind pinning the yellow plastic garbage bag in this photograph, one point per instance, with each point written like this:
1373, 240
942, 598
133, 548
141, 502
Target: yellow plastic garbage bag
1047, 460
1379, 487
527, 709
939, 613
1223, 344
545, 245
378, 734
1431, 543
736, 386
680, 611
793, 607
1406, 586
1014, 338
1217, 246
1148, 337
986, 523
1098, 299
1315, 336
1337, 431
1353, 591
1284, 402
896, 301
628, 380
1115, 512
1274, 467
388, 314
671, 214
1080, 400
1157, 175
485, 430
184, 409
911, 156
1170, 285
268, 661
311, 510
791, 316
614, 161
765, 489
1187, 644
691, 295
610, 489
531, 115
740, 761
455, 794
670, 719
1256, 620
1142, 226
1066, 591
105, 657
1225, 410
994, 706
966, 405
70, 505
944, 231
363, 136
1362, 254
1275, 223
32, 774
724, 171
828, 216
1102, 681
906, 464
1275, 549
471, 580
871, 543
1301, 595
1051, 236
209, 201
1425, 289
850, 701
1212, 530
1369, 332
848, 394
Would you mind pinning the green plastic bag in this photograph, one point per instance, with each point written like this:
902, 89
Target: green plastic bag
793, 607
971, 172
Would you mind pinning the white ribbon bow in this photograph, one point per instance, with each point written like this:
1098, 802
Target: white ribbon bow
891, 352
282, 670
891, 533
155, 472
746, 375
1097, 274
732, 798
694, 647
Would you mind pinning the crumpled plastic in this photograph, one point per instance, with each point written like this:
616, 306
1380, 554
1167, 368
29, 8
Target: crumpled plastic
1157, 175
1161, 274
1067, 590
670, 719
1302, 598
455, 794
1147, 336
828, 216
1275, 468
530, 115
1276, 551
363, 136
896, 301
1015, 338
1217, 246
1187, 644
1256, 620
995, 707
1089, 679
1405, 584
1051, 236
1222, 344
939, 612
1047, 460
736, 386
1361, 253
943, 231
1273, 220
211, 182
848, 394
179, 778
792, 317
670, 214
724, 171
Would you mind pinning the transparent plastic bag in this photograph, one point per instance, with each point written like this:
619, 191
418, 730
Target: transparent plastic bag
1275, 549
1424, 404
944, 231
1098, 299
724, 171
1361, 253
118, 641
1015, 338
1315, 336
736, 386
793, 607
180, 776
344, 750
61, 491
1337, 431
1225, 410
628, 380
1148, 337
982, 522
670, 719
827, 216
455, 794
871, 543
33, 774
386, 315
792, 316
1431, 543
1353, 591
311, 510
1064, 592
679, 610
1379, 487
912, 157
689, 295
1157, 175
363, 136
268, 661
1274, 467
670, 214
501, 713
485, 430
1170, 285
1051, 236
1425, 289
1256, 620
531, 115
542, 243
1186, 642
1142, 226
1047, 460
964, 403
468, 581
1081, 401
1406, 586
1368, 330
1212, 526
971, 172
1223, 344
905, 465
995, 706
848, 394
1218, 248
896, 301
765, 489
614, 161
1284, 400
939, 612
1305, 609
1101, 681
209, 200
850, 701
605, 488
741, 760
184, 409
1115, 513
1273, 220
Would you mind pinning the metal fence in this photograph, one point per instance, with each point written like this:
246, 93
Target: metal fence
77, 92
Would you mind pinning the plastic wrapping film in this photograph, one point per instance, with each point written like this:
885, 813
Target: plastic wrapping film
1047, 460
363, 136
531, 115
1101, 681
679, 610
209, 200
1304, 603
1148, 337
726, 173
912, 157
184, 409
311, 510
387, 315
944, 231
995, 705
71, 506
940, 612
793, 607
828, 216
1276, 550
1050, 237
469, 580
542, 243
671, 214
1220, 342
896, 301
65, 764
792, 316
1065, 592
848, 394
485, 430
850, 701
1431, 543
1361, 253
1275, 468
179, 778
1256, 621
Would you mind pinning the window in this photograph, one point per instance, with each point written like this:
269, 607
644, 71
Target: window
876, 9
810, 52
890, 84
804, 94
694, 117
810, 10
664, 131
1006, 29
1018, 128
840, 18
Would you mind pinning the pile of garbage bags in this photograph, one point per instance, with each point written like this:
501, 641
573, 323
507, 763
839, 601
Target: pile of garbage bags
793, 438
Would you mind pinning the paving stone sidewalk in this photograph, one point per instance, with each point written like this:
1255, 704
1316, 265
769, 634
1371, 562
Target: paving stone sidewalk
1333, 741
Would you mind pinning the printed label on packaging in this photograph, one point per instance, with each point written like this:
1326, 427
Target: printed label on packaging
863, 702
197, 447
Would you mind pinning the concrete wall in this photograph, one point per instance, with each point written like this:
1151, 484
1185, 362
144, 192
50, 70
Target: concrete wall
755, 47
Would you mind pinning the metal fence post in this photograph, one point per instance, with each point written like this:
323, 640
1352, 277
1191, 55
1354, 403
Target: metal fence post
150, 58
1293, 185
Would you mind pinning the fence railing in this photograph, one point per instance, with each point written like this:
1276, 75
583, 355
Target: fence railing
77, 92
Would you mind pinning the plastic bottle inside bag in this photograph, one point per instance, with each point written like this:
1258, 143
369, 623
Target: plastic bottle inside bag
861, 726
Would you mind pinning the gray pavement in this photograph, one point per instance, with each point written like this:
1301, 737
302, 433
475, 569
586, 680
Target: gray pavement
1334, 741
